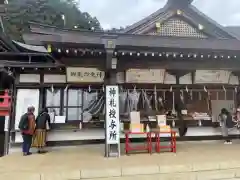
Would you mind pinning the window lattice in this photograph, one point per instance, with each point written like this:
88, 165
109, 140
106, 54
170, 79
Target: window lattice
177, 27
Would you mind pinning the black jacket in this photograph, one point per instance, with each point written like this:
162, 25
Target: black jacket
42, 119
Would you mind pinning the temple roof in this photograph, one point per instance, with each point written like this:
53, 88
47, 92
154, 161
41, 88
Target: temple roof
234, 30
182, 3
6, 45
44, 35
189, 13
15, 53
32, 48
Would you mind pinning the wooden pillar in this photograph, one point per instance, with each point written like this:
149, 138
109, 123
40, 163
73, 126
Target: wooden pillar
6, 82
110, 79
179, 106
111, 73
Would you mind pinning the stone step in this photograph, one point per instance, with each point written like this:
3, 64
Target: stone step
201, 171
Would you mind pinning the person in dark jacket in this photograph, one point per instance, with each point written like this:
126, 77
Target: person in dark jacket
27, 128
226, 124
42, 122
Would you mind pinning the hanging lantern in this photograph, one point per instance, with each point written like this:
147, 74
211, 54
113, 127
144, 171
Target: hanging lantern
66, 88
179, 12
186, 89
155, 89
200, 123
200, 27
96, 95
205, 89
173, 123
158, 26
134, 88
224, 89
49, 48
191, 94
121, 88
52, 89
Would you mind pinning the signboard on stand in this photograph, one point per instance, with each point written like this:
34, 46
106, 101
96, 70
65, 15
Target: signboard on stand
112, 118
112, 115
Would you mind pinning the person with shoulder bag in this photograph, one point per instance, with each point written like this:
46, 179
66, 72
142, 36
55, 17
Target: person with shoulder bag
27, 128
227, 124
40, 137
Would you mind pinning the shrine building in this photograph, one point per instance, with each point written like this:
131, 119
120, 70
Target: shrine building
175, 59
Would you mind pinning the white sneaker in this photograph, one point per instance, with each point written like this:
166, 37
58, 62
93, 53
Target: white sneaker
228, 142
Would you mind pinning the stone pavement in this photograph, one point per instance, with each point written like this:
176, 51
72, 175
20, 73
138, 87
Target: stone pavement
193, 161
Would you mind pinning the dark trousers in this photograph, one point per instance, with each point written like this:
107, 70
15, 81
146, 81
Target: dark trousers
27, 142
183, 126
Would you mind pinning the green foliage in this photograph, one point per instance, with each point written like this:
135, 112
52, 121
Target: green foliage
20, 12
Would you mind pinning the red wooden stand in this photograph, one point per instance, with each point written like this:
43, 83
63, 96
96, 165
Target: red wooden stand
147, 147
172, 145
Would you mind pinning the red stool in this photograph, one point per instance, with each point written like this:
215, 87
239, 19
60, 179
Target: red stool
173, 144
147, 147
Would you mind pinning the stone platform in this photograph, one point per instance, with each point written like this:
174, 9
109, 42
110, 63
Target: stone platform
193, 161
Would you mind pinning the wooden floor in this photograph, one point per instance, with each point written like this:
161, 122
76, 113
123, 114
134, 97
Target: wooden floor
87, 161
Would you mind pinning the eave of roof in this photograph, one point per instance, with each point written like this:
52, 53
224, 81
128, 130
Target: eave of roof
32, 48
127, 40
234, 30
7, 43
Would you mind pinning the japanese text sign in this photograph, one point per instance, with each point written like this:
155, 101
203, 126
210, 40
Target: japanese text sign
112, 115
81, 74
